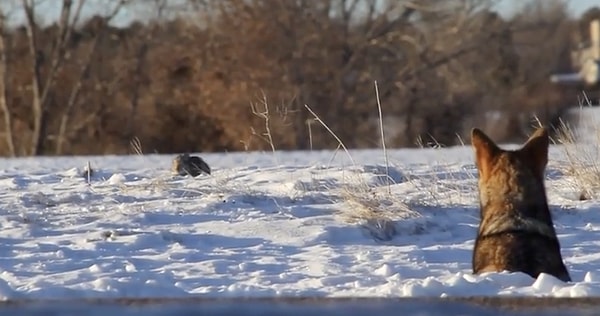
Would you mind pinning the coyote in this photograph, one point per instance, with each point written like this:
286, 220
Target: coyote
516, 232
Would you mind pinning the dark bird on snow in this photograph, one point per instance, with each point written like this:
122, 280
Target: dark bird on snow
185, 164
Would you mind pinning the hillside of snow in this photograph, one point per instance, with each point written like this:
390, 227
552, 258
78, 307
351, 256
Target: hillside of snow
262, 225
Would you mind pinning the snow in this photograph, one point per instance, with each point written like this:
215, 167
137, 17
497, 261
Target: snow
269, 225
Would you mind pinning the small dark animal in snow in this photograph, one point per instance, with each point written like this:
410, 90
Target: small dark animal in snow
185, 164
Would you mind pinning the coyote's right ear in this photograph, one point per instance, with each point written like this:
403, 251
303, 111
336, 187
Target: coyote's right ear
535, 151
485, 149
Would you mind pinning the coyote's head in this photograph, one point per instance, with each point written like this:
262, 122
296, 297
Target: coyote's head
512, 179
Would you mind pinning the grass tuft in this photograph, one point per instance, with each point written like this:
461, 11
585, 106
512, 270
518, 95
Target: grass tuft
582, 163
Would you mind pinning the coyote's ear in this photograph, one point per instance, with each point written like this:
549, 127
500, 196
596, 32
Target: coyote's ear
535, 151
485, 149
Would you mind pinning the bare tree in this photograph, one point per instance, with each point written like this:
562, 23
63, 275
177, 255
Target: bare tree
83, 74
8, 131
41, 86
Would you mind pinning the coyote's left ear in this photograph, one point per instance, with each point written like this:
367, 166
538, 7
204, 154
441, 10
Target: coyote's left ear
535, 150
485, 150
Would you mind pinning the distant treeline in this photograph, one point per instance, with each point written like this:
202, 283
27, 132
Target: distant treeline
229, 75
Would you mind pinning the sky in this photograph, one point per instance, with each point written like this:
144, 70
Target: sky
49, 10
577, 7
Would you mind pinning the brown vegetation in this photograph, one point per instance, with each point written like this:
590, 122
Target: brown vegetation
190, 81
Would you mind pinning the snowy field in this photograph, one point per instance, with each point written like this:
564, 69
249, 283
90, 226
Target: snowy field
263, 225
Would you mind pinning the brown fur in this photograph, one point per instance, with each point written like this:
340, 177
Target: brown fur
516, 232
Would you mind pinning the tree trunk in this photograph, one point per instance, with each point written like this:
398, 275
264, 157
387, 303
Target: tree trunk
36, 102
8, 131
39, 92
